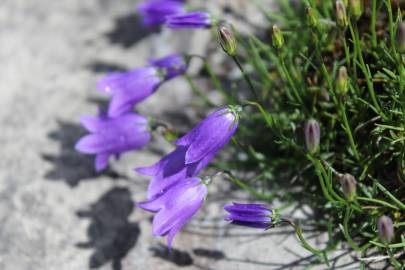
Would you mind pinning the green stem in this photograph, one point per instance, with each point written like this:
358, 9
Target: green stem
246, 77
348, 131
373, 23
290, 80
390, 24
378, 202
198, 91
346, 233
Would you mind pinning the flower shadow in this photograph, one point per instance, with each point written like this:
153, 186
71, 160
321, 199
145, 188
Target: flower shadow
110, 233
178, 257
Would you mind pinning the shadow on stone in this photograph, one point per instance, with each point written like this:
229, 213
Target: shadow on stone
180, 258
209, 253
69, 165
110, 233
105, 67
128, 31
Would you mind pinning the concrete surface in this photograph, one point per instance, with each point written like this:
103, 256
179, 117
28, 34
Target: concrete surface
55, 211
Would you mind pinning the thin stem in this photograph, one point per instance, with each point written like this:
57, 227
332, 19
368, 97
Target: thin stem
198, 91
373, 23
346, 233
246, 77
348, 131
290, 80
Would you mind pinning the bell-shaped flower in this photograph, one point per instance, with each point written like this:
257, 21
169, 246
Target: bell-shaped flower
194, 19
129, 88
249, 215
154, 12
194, 151
113, 136
175, 207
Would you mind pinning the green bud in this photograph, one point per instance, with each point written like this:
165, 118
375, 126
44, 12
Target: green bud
278, 38
401, 37
348, 184
312, 18
341, 17
342, 82
227, 40
356, 8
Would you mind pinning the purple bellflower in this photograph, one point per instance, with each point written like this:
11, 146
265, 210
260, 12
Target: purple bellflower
129, 88
249, 215
195, 19
112, 136
194, 151
154, 12
175, 207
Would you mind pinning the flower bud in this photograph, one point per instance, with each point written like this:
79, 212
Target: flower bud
312, 18
401, 37
227, 40
385, 229
312, 134
278, 38
356, 8
349, 186
341, 17
342, 82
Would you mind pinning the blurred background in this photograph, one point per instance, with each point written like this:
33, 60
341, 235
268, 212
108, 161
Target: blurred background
55, 211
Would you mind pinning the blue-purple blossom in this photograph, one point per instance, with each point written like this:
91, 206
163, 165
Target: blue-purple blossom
129, 88
112, 136
195, 19
175, 207
249, 215
194, 151
154, 12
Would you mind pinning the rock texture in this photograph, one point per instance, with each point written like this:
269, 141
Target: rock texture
55, 211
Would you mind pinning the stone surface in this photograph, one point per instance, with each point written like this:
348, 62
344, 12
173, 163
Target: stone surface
55, 211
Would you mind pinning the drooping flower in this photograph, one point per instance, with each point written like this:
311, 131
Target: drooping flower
249, 215
195, 19
194, 151
112, 136
175, 207
154, 12
129, 88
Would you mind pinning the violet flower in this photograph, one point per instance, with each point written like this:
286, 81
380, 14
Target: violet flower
154, 12
195, 19
249, 215
194, 151
129, 88
112, 136
175, 207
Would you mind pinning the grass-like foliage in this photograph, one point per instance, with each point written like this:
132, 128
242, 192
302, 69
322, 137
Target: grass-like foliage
344, 69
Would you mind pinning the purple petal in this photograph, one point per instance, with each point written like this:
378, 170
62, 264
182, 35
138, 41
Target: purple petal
251, 224
90, 144
154, 12
196, 19
101, 161
173, 65
91, 123
248, 217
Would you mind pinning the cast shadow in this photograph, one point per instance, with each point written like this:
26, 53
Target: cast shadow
110, 233
128, 30
69, 165
179, 258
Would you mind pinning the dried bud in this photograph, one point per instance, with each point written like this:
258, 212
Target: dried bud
401, 37
356, 8
227, 40
278, 38
312, 18
341, 17
342, 82
349, 186
385, 229
312, 134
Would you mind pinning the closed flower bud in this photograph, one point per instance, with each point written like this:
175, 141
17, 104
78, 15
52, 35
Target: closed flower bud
278, 38
342, 82
312, 134
385, 229
356, 8
341, 17
349, 186
227, 40
312, 18
401, 37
